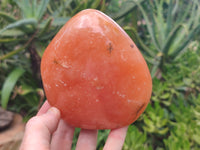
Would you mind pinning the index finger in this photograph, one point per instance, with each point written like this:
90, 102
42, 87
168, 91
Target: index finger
44, 108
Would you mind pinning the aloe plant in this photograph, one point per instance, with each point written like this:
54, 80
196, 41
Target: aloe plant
170, 30
119, 9
31, 25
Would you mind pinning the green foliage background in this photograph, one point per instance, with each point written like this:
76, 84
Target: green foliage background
167, 33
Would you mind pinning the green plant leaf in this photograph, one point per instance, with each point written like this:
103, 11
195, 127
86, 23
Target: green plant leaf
9, 85
7, 17
103, 5
149, 24
170, 16
196, 138
41, 9
175, 8
25, 7
95, 4
102, 136
186, 42
158, 22
45, 27
135, 139
10, 54
144, 47
125, 8
172, 36
165, 96
60, 21
50, 34
163, 131
19, 23
12, 33
7, 40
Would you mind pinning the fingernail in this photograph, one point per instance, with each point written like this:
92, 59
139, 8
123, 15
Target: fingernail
53, 111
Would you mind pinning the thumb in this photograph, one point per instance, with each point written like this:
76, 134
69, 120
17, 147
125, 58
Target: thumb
39, 129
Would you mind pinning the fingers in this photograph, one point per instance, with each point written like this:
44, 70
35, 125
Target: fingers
87, 140
116, 139
39, 129
62, 138
44, 108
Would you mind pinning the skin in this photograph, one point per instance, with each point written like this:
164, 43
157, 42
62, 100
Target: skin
48, 131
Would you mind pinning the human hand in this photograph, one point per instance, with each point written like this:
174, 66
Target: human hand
48, 131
